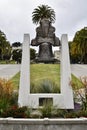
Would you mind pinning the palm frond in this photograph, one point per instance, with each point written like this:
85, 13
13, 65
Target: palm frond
43, 11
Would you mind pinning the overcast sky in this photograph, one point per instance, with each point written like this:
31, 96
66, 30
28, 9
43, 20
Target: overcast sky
16, 17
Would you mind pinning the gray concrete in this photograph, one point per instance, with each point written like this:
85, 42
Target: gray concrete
24, 86
43, 124
65, 72
79, 70
7, 71
59, 100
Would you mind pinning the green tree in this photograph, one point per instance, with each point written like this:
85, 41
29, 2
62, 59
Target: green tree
79, 45
32, 53
16, 55
16, 44
74, 55
5, 48
43, 11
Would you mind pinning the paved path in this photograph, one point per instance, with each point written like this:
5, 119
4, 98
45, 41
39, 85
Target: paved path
79, 70
9, 70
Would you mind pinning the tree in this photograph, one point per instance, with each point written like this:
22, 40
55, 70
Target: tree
17, 51
43, 11
78, 47
16, 44
16, 55
5, 48
74, 55
32, 53
81, 41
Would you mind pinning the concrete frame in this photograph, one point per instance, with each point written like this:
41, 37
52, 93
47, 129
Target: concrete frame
62, 100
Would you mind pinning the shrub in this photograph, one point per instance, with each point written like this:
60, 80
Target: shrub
80, 113
70, 114
84, 98
6, 88
46, 86
47, 109
7, 96
80, 95
15, 111
60, 113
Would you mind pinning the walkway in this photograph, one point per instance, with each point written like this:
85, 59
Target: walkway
9, 70
79, 70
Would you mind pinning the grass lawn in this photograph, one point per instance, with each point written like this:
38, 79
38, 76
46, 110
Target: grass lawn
16, 80
7, 62
41, 72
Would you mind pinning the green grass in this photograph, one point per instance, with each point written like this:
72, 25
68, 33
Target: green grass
16, 80
7, 62
77, 84
42, 72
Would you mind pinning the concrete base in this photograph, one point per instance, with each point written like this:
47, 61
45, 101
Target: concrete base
58, 100
43, 124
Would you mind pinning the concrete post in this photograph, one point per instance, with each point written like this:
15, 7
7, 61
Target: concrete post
24, 87
66, 88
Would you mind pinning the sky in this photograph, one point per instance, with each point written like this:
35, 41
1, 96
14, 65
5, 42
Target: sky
16, 17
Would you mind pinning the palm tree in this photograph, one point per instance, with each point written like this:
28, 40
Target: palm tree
41, 12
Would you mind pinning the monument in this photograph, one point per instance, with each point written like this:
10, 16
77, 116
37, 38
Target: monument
63, 100
45, 39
